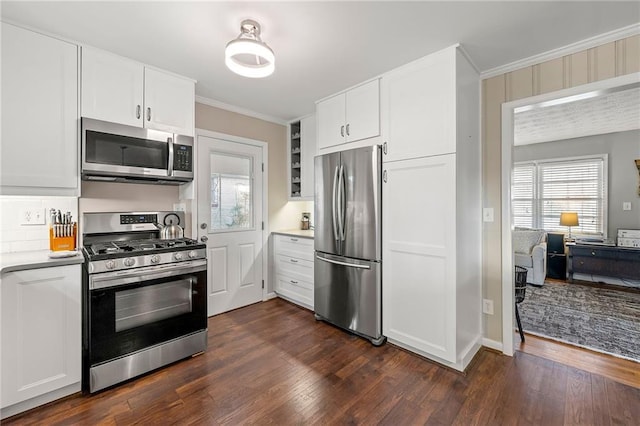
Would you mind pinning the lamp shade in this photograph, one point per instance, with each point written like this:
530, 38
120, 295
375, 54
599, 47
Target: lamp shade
569, 219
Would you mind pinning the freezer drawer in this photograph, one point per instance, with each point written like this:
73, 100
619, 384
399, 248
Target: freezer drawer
347, 293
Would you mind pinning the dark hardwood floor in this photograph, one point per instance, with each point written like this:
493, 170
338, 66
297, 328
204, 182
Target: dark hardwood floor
272, 363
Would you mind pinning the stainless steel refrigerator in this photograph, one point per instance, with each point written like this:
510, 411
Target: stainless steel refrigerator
348, 233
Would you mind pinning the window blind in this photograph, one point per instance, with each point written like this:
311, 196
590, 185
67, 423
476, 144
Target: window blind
576, 185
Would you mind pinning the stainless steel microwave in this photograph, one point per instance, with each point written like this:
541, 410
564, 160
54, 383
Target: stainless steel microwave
119, 153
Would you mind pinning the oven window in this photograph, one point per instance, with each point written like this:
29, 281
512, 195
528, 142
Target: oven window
115, 150
146, 305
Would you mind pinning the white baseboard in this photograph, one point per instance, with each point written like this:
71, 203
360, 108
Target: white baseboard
492, 344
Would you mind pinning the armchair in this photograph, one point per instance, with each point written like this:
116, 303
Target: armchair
530, 252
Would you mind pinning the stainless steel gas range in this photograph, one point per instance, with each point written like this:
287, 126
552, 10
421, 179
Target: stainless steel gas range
144, 298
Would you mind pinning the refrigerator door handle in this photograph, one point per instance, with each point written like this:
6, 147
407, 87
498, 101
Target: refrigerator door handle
341, 203
337, 262
333, 204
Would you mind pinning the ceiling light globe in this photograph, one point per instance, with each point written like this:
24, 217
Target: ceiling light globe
243, 47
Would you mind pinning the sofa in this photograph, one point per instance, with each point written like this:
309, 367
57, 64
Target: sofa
530, 252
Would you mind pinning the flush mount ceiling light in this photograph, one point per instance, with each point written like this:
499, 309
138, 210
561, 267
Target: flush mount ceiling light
248, 55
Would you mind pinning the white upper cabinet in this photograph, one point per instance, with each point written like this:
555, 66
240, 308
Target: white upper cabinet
123, 91
169, 102
349, 116
39, 114
112, 88
418, 103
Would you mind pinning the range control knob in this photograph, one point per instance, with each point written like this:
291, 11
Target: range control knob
110, 264
129, 261
177, 255
155, 258
193, 254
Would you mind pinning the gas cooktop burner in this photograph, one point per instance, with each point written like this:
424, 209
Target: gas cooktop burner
133, 246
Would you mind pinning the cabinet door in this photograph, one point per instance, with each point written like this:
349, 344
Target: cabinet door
111, 88
39, 110
41, 332
363, 112
330, 115
418, 108
419, 274
308, 151
169, 102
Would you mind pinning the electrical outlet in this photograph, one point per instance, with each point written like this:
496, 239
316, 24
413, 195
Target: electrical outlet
32, 217
487, 214
626, 205
179, 207
487, 306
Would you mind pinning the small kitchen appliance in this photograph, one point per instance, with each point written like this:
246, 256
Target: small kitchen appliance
144, 299
114, 152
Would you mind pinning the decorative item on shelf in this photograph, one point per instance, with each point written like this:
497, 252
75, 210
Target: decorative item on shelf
306, 221
569, 219
248, 55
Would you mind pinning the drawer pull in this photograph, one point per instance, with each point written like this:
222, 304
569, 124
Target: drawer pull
293, 239
593, 253
293, 261
293, 282
581, 262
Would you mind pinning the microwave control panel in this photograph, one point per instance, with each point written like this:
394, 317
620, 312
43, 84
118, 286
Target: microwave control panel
182, 158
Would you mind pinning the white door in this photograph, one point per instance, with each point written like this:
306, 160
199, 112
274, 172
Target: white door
230, 221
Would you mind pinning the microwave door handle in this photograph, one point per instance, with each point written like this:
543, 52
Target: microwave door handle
170, 165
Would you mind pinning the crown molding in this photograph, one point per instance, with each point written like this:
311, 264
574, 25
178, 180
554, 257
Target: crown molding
570, 49
240, 110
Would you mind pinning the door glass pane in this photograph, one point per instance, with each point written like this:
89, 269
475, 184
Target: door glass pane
231, 192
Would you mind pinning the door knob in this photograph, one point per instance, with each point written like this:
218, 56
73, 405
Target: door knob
204, 238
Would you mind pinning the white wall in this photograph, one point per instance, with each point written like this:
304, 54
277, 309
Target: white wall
623, 148
15, 237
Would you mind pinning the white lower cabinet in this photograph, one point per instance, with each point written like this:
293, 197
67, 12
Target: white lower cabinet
293, 267
41, 336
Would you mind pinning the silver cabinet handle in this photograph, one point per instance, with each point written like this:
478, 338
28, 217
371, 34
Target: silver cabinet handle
293, 261
138, 111
293, 282
347, 130
342, 131
384, 176
149, 114
384, 148
293, 239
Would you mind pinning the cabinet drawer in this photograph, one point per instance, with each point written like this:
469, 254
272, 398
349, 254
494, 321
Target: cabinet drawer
296, 247
296, 290
596, 266
594, 252
294, 267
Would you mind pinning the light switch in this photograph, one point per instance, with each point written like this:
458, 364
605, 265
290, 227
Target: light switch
487, 214
626, 205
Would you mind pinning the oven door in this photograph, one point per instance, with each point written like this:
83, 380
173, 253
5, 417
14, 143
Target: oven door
129, 311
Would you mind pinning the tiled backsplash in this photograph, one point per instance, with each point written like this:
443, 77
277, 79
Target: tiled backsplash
15, 237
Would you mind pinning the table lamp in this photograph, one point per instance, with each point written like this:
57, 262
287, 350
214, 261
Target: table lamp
569, 219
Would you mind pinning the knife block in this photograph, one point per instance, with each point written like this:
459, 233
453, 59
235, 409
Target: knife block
63, 243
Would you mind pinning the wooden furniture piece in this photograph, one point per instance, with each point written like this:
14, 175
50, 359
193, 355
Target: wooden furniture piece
615, 262
431, 208
556, 256
293, 267
41, 336
302, 149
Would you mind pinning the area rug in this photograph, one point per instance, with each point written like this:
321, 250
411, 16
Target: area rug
603, 319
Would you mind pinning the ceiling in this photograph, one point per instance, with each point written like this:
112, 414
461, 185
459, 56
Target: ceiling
321, 47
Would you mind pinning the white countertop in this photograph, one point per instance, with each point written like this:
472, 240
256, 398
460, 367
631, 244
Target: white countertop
10, 262
296, 233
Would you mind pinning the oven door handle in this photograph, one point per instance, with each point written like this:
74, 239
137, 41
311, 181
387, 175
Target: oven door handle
115, 279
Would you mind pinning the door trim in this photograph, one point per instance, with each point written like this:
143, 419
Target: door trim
190, 193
